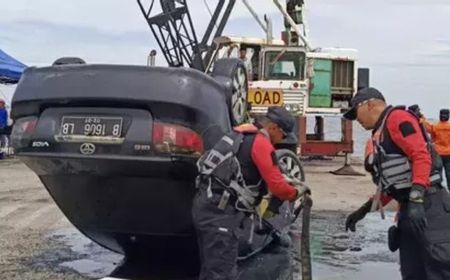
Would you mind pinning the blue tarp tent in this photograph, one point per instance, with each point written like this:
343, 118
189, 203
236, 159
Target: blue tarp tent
10, 68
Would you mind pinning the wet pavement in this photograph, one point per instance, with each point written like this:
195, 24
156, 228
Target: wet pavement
336, 254
360, 255
72, 251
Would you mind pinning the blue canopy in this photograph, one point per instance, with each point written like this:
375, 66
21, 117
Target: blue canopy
10, 68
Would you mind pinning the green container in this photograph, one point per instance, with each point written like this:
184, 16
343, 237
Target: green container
320, 95
318, 101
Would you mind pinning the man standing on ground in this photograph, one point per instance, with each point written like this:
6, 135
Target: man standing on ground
233, 178
247, 62
401, 163
440, 134
3, 127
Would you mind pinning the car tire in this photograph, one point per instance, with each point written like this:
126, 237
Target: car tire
234, 70
68, 60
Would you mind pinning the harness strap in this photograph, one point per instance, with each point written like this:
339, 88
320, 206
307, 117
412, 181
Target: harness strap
252, 229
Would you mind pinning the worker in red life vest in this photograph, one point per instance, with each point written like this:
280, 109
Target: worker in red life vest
233, 178
405, 168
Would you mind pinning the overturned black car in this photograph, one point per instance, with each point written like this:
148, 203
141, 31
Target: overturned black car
116, 147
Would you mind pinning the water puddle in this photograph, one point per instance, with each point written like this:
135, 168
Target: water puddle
74, 252
336, 254
360, 255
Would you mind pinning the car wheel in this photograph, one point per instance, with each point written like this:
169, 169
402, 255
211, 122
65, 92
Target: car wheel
235, 71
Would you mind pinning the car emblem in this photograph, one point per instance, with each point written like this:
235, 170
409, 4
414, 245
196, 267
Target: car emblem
87, 148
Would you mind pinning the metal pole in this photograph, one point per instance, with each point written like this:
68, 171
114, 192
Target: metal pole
269, 29
255, 16
293, 24
151, 59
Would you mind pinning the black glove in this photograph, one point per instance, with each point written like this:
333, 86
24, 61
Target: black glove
357, 216
416, 211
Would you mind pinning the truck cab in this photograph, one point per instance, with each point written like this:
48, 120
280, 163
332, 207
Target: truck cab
283, 80
322, 81
317, 83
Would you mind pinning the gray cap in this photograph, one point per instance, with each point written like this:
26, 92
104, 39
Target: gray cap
282, 118
361, 96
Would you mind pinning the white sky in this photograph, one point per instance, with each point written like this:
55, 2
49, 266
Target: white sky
406, 43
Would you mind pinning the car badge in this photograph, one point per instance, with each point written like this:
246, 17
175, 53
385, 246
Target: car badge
87, 148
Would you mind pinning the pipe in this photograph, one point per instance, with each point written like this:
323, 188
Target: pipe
151, 59
255, 16
269, 32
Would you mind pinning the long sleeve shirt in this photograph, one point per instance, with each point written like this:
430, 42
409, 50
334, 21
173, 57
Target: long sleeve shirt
3, 118
440, 134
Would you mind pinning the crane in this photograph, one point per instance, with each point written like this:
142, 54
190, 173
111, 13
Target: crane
175, 34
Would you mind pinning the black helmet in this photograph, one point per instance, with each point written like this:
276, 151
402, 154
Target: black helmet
444, 115
361, 96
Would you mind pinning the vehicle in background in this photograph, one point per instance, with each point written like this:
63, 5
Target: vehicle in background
311, 82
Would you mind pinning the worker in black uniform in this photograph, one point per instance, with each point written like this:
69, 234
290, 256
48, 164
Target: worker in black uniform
233, 178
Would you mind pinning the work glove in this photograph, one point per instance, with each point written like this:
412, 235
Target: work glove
358, 215
300, 186
302, 189
416, 211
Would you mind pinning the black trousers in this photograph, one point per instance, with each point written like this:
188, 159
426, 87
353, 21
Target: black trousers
427, 257
446, 166
217, 238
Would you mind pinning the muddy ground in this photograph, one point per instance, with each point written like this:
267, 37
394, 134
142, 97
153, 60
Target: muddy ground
37, 241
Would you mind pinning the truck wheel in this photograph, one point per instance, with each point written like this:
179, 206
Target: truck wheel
290, 164
235, 71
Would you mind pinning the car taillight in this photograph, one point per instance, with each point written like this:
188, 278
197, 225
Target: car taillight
176, 139
22, 131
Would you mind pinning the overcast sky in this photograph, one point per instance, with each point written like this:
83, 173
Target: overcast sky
406, 43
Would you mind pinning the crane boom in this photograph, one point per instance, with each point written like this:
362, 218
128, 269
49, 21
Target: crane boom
175, 34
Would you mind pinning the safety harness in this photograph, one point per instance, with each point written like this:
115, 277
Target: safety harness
393, 171
220, 165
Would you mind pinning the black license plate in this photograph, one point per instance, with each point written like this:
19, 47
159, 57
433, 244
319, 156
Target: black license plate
91, 126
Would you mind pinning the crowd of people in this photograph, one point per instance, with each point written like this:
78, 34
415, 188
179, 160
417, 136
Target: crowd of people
5, 129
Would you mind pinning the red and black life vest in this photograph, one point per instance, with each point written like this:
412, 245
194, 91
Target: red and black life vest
390, 168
